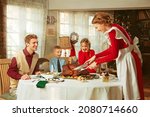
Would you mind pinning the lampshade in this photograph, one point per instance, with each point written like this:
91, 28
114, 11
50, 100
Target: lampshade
64, 42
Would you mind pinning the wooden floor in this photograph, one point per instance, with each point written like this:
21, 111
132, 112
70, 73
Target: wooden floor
147, 86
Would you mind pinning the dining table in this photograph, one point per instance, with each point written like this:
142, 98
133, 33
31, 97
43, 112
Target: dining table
70, 89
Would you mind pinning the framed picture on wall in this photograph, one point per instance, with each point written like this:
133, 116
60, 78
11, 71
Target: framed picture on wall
51, 31
51, 20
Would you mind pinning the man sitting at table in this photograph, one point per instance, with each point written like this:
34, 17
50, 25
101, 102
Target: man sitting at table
24, 63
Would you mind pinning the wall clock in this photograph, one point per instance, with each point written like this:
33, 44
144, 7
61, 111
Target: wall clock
74, 37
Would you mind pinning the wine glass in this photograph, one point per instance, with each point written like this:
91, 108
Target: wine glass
103, 67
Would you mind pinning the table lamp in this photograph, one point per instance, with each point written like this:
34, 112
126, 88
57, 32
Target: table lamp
64, 43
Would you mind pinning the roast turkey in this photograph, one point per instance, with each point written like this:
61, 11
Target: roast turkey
68, 70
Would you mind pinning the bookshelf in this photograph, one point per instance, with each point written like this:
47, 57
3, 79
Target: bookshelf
137, 23
143, 14
144, 23
128, 19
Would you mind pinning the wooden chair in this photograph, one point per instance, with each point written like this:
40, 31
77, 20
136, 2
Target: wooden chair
4, 79
43, 64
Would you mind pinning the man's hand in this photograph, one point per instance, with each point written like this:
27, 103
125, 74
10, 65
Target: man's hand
37, 73
25, 77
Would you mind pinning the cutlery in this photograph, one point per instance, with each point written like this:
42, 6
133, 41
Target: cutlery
81, 67
40, 76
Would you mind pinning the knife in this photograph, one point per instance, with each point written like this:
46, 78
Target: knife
81, 67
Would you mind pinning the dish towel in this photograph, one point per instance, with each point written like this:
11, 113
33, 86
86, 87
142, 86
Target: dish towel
41, 84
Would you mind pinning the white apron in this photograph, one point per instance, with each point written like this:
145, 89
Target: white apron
126, 67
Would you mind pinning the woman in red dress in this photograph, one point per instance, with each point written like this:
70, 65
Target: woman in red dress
85, 53
124, 51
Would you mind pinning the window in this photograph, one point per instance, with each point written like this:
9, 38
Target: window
79, 22
20, 22
65, 23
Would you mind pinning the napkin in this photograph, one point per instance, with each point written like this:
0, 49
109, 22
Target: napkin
41, 84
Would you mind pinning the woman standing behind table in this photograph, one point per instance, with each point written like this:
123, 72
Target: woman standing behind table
126, 53
85, 53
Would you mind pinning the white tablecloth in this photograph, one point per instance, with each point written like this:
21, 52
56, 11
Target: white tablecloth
70, 90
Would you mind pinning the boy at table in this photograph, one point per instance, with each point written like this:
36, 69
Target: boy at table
56, 62
24, 63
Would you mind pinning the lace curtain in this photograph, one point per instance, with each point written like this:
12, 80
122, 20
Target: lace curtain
25, 17
80, 22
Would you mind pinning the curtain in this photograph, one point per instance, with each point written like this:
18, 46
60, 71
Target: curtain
2, 28
25, 17
80, 22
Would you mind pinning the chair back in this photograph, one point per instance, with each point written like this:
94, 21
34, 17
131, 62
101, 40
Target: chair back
4, 78
43, 64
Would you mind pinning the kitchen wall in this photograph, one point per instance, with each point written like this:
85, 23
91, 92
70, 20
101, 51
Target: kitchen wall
52, 34
98, 4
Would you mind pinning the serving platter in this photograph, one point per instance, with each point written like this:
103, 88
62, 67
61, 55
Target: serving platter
87, 77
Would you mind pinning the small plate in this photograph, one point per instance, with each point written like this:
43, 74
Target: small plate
56, 80
47, 76
33, 76
111, 77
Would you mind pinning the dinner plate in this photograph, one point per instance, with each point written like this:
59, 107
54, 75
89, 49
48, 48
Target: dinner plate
42, 76
56, 80
111, 77
96, 76
33, 76
47, 76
